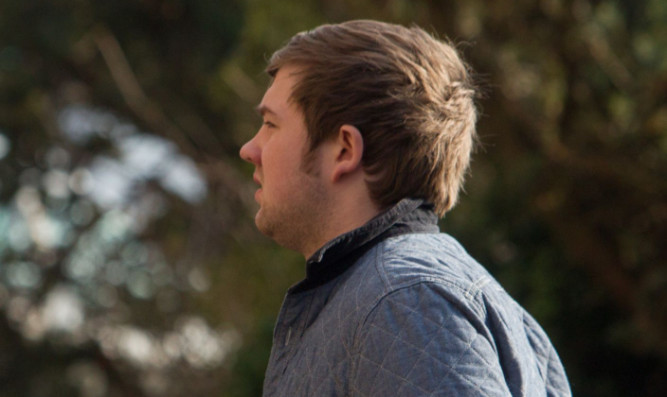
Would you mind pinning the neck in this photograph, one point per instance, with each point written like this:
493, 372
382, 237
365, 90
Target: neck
348, 212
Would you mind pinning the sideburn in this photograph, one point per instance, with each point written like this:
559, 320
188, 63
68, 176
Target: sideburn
308, 159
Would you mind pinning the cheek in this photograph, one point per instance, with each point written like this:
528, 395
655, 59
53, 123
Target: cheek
276, 168
281, 162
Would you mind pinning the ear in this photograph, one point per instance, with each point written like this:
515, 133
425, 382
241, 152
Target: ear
349, 149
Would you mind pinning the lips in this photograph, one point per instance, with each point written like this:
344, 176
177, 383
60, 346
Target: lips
255, 178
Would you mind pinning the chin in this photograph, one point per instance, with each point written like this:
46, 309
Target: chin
262, 225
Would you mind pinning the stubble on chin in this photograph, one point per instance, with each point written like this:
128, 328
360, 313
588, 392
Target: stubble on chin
297, 222
264, 225
288, 228
297, 225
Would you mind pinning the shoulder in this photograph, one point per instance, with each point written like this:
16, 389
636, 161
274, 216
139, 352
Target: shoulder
421, 272
438, 260
417, 280
424, 339
429, 318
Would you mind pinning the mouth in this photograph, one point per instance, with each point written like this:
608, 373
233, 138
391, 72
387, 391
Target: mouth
258, 192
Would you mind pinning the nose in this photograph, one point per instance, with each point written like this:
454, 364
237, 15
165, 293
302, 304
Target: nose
251, 152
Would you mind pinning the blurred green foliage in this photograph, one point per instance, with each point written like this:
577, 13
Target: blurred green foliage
129, 264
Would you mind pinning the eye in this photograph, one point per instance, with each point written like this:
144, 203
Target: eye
268, 124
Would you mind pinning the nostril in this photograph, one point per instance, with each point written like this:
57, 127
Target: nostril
249, 152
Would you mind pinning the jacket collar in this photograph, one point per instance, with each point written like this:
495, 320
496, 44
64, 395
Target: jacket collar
336, 256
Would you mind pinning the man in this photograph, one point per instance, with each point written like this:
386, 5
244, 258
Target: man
366, 136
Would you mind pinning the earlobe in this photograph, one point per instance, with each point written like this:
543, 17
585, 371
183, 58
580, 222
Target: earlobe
349, 152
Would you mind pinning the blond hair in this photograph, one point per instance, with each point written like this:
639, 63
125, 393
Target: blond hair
409, 94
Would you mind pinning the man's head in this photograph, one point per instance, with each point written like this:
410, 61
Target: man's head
409, 95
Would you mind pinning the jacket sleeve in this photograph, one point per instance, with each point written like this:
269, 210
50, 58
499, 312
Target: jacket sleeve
417, 341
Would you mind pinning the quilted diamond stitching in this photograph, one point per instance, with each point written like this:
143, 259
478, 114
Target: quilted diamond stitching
423, 351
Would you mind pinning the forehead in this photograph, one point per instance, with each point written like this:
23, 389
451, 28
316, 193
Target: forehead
276, 100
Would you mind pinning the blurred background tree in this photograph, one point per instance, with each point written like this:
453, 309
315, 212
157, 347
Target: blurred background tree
129, 264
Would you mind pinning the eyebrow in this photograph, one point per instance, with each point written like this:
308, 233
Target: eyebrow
262, 109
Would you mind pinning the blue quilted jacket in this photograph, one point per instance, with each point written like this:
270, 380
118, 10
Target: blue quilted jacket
396, 308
